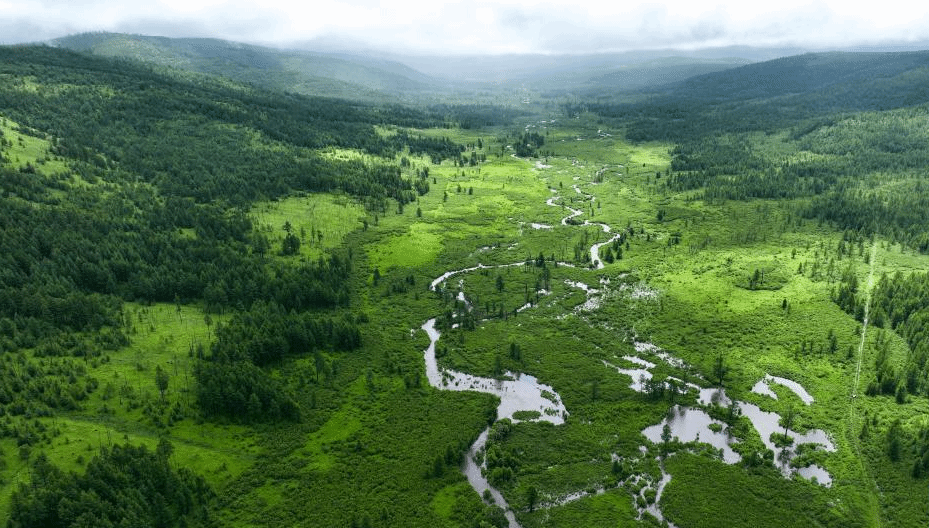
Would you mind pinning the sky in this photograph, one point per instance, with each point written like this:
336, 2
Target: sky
482, 26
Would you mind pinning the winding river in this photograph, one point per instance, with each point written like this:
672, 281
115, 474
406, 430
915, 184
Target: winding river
517, 391
522, 392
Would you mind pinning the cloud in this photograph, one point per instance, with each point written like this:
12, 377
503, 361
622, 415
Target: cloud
482, 26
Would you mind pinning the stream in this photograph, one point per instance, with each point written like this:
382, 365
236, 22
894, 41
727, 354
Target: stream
517, 392
594, 249
523, 392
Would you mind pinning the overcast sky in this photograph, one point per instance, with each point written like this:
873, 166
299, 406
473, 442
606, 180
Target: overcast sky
481, 26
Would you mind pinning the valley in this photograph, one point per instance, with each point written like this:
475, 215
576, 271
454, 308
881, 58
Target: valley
623, 312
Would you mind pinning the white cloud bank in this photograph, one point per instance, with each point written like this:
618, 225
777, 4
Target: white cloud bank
481, 26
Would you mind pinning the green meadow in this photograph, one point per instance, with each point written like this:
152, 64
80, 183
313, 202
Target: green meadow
127, 406
33, 149
320, 221
744, 286
693, 266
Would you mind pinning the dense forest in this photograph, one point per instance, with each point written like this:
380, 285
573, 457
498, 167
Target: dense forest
122, 486
141, 195
186, 136
170, 153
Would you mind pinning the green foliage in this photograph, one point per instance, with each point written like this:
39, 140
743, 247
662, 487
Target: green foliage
894, 441
161, 380
123, 486
836, 125
227, 389
720, 370
203, 140
290, 71
31, 387
267, 334
703, 495
794, 89
527, 144
532, 496
290, 245
326, 420
901, 303
67, 263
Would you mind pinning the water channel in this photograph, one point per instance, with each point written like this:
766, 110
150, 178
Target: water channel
522, 392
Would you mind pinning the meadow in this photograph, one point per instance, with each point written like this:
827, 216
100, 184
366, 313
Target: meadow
750, 282
743, 288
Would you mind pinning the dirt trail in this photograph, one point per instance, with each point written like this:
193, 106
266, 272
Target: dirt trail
852, 423
864, 325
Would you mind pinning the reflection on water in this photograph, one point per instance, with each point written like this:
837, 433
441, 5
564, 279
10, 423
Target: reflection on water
520, 393
821, 475
472, 471
690, 425
693, 425
763, 387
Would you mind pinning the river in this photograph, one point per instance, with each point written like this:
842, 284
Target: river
523, 392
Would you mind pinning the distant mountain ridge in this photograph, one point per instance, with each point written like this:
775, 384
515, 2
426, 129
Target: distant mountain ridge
802, 74
722, 76
383, 77
296, 71
775, 94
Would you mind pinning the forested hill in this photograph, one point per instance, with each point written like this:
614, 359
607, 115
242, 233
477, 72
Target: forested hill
801, 74
295, 71
120, 183
647, 75
775, 94
203, 139
845, 131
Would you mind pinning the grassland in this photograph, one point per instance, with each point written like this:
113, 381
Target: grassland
320, 221
28, 149
127, 407
377, 444
697, 260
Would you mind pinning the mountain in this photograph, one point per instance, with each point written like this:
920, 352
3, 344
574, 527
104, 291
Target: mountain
796, 91
808, 73
334, 75
656, 72
206, 139
375, 76
573, 68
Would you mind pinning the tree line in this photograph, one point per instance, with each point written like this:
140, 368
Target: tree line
122, 486
231, 382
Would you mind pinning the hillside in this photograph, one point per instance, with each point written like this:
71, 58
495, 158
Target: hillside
381, 77
823, 73
647, 75
125, 188
771, 95
294, 71
561, 70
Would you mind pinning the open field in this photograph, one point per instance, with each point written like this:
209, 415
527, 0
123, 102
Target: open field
320, 221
